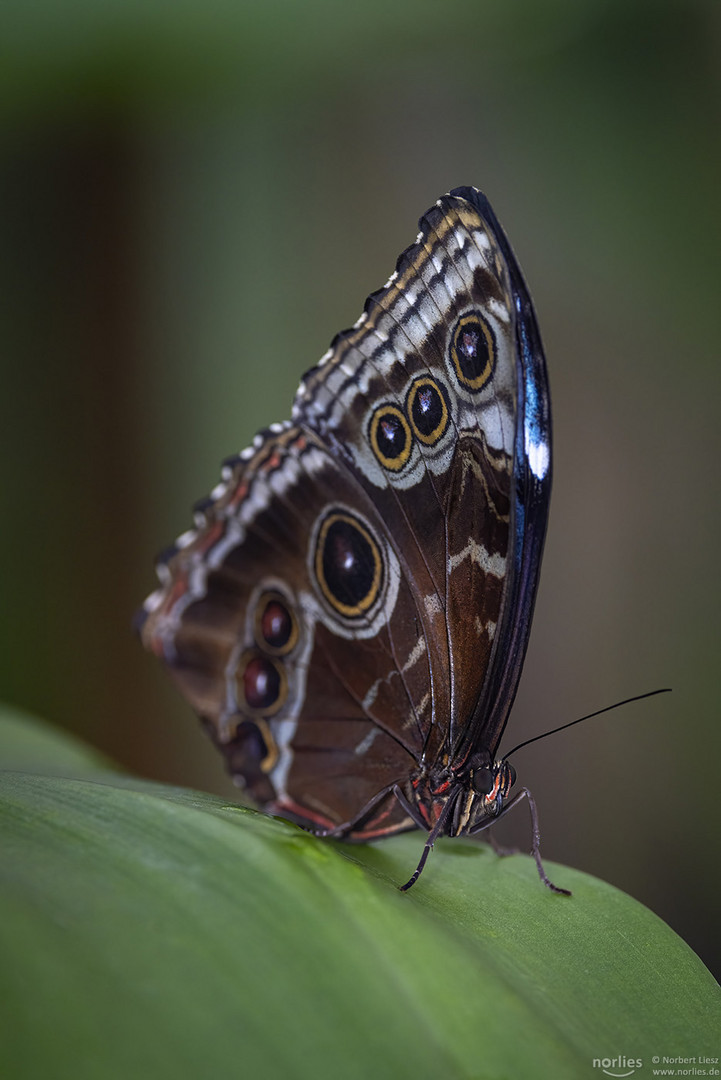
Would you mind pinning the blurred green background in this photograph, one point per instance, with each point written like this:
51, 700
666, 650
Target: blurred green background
195, 197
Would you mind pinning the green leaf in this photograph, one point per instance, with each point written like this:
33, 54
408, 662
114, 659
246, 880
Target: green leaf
152, 932
31, 745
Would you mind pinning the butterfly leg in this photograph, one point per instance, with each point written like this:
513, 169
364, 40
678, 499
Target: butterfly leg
340, 832
433, 835
524, 793
499, 849
412, 811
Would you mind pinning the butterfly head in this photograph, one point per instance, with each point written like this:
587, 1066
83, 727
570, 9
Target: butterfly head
486, 789
493, 783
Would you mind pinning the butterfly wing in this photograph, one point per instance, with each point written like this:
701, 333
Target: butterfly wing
529, 504
354, 602
438, 402
287, 622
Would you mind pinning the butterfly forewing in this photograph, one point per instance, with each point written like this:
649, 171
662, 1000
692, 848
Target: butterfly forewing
435, 358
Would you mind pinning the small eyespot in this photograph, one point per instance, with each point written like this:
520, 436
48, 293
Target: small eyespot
262, 684
473, 351
276, 629
427, 411
390, 437
348, 564
253, 739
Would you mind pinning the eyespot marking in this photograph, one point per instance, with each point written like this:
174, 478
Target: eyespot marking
348, 564
427, 411
259, 748
390, 437
473, 351
262, 684
276, 628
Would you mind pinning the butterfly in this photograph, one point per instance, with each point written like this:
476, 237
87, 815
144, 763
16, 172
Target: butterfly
350, 614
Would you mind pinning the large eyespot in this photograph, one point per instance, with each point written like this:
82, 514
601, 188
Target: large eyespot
473, 351
262, 683
390, 437
276, 629
348, 564
427, 411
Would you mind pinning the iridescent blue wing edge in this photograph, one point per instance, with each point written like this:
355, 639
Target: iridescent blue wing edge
529, 507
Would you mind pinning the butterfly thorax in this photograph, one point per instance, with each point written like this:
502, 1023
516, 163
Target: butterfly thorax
478, 794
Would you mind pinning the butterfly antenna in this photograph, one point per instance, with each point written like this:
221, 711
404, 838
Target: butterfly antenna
554, 731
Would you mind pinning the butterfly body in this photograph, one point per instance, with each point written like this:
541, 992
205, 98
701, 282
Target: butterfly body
350, 615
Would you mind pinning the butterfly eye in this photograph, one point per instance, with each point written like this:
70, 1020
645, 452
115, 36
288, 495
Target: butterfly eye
473, 351
483, 781
511, 774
